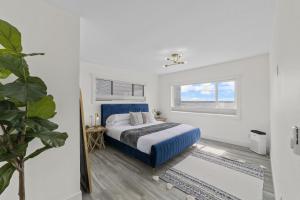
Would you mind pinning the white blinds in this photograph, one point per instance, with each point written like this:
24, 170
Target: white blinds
118, 90
138, 90
122, 88
103, 87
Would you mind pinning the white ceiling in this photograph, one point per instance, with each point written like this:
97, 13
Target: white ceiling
139, 34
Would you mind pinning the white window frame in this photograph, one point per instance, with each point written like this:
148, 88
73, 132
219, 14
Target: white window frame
211, 111
115, 97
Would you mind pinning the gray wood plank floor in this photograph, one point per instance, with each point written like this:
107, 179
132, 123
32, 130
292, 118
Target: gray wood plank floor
119, 177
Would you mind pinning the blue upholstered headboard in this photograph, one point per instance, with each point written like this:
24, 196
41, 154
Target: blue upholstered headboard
110, 109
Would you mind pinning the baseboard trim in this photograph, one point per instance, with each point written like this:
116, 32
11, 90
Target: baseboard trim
77, 196
243, 144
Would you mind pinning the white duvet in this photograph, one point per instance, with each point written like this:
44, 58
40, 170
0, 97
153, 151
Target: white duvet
145, 143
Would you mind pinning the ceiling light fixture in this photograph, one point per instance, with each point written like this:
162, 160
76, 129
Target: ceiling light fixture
175, 60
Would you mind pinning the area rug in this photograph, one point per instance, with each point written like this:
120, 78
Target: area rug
207, 176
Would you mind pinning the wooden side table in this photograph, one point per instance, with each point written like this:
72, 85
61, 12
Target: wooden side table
95, 137
162, 119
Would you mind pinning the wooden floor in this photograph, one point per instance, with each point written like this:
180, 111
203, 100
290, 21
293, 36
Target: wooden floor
119, 177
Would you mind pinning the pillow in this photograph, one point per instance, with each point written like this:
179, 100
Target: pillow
136, 118
122, 122
148, 117
117, 119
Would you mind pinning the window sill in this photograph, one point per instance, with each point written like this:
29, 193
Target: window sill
211, 112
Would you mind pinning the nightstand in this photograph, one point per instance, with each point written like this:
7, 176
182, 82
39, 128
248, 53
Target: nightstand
95, 137
162, 119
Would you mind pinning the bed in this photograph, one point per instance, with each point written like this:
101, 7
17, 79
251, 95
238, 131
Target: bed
151, 149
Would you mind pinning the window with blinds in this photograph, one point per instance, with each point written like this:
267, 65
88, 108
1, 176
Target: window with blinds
122, 88
138, 90
103, 87
107, 90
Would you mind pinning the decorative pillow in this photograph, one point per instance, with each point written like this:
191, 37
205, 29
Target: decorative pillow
148, 117
136, 118
122, 123
117, 119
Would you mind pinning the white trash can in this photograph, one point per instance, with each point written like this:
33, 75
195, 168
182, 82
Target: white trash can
258, 142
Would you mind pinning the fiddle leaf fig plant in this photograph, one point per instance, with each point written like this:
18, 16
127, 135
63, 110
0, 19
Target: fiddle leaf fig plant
25, 110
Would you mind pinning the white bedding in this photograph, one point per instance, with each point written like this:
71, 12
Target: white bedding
145, 143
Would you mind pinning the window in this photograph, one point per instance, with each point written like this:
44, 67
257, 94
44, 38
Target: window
118, 90
198, 92
138, 90
226, 91
103, 87
122, 88
213, 97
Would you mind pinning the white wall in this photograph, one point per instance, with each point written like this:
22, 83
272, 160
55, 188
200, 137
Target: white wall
252, 74
88, 71
54, 174
285, 98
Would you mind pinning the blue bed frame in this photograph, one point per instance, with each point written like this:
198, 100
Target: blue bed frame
161, 152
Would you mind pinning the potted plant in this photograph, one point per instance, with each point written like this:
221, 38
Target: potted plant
25, 110
157, 113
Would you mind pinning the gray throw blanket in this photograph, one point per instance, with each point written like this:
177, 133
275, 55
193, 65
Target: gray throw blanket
130, 137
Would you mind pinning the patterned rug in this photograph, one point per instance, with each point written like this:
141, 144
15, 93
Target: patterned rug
207, 176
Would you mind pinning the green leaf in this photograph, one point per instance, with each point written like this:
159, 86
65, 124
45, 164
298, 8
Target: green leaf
37, 152
8, 51
13, 63
41, 125
43, 108
2, 150
36, 88
9, 114
1, 140
8, 156
4, 73
10, 37
51, 139
22, 91
7, 105
19, 150
6, 172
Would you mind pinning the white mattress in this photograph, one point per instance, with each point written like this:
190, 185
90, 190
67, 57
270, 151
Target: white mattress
145, 143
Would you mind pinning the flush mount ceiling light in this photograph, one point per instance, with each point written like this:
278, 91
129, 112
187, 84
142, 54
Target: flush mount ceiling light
175, 59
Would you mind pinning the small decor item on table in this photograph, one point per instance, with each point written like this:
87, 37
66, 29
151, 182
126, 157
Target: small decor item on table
157, 113
158, 117
95, 137
91, 120
96, 118
25, 110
